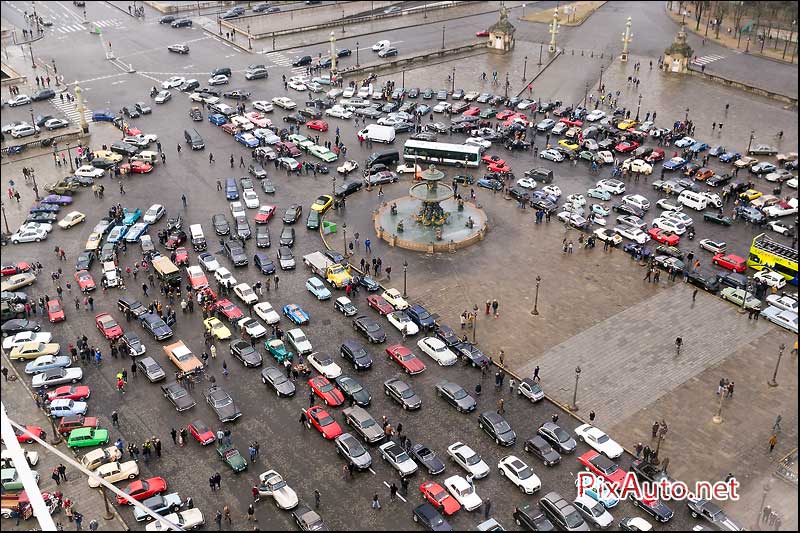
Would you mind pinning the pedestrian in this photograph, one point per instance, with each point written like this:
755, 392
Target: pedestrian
495, 306
392, 492
114, 418
773, 440
487, 508
317, 498
591, 416
501, 406
656, 426
721, 386
638, 449
5, 373
376, 504
57, 478
536, 374
511, 384
554, 418
174, 434
251, 512
218, 520
256, 495
62, 471
78, 520
226, 513
730, 389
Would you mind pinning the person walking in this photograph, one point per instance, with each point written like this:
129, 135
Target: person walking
773, 440
114, 418
251, 513
487, 508
317, 498
392, 492
376, 503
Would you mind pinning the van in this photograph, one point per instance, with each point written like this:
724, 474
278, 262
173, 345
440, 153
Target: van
198, 239
110, 274
193, 139
387, 157
148, 156
541, 175
225, 71
377, 133
692, 199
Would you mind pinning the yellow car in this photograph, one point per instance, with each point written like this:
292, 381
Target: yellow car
322, 203
107, 154
93, 242
745, 162
566, 143
217, 328
626, 124
17, 281
71, 219
751, 194
32, 350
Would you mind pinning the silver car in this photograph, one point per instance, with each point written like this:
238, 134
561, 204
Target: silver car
56, 376
363, 423
353, 451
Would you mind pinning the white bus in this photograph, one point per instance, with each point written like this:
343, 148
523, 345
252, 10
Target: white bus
460, 155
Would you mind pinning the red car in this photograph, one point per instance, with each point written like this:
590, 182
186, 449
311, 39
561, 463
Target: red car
406, 359
626, 146
131, 132
198, 280
318, 417
504, 114
472, 111
181, 256
24, 437
570, 122
482, 33
55, 312
602, 466
490, 159
175, 239
141, 489
439, 498
664, 236
68, 424
265, 213
325, 390
319, 125
379, 304
70, 392
18, 268
656, 155
229, 310
496, 167
731, 262
514, 118
201, 433
136, 167
108, 326
85, 280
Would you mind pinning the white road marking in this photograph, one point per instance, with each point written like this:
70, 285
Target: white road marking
371, 471
398, 493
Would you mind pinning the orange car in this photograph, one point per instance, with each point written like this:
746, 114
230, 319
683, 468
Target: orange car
703, 174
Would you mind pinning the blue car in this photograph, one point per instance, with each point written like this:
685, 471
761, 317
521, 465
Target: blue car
490, 183
117, 233
46, 362
541, 195
730, 157
136, 232
103, 116
217, 119
295, 314
675, 163
750, 214
45, 208
717, 151
131, 217
247, 139
231, 190
698, 147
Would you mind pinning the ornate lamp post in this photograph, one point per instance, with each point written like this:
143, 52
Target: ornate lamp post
333, 53
443, 28
525, 69
357, 64
474, 322
333, 187
553, 31
249, 42
453, 79
750, 142
638, 107
536, 298
627, 37
5, 219
344, 237
574, 406
773, 382
405, 277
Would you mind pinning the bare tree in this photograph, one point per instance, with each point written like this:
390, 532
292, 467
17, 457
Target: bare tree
720, 10
698, 12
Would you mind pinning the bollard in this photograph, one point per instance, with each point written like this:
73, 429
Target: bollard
573, 51
592, 53
581, 53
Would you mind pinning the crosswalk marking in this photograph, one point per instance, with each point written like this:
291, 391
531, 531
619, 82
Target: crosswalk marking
105, 23
71, 111
705, 60
279, 58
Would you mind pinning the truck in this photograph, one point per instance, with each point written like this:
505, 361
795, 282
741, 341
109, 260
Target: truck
232, 457
166, 270
334, 273
377, 133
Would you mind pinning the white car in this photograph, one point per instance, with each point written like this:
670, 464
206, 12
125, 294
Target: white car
394, 297
70, 375
576, 199
219, 79
519, 473
637, 165
598, 440
273, 484
347, 167
468, 459
252, 327
605, 156
297, 86
203, 97
611, 185
380, 45
100, 456
44, 226
552, 190
265, 312
590, 144
402, 322
437, 350
395, 455
71, 219
174, 81
713, 198
771, 278
250, 199
224, 277
163, 97
715, 247
245, 293
594, 511
24, 130
208, 261
637, 200
185, 520
785, 302
338, 111
237, 209
668, 205
20, 99
479, 141
670, 224
22, 337
88, 171
442, 107
678, 216
113, 472
608, 235
635, 234
154, 214
784, 319
284, 102
779, 227
324, 364
46, 362
298, 339
349, 92
792, 183
28, 235
633, 221
595, 115
463, 492
527, 183
263, 106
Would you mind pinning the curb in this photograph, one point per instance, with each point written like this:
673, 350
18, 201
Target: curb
115, 6
559, 52
223, 39
576, 25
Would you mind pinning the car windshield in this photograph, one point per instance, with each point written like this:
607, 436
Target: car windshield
407, 393
561, 435
602, 439
473, 459
459, 393
573, 520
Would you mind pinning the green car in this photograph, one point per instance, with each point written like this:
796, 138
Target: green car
464, 179
232, 457
716, 218
587, 155
61, 187
312, 222
11, 480
298, 139
323, 153
489, 112
84, 437
278, 349
736, 296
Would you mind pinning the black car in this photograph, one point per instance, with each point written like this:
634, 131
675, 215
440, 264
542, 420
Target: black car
425, 136
427, 458
530, 518
716, 218
153, 323
129, 304
628, 209
368, 282
347, 188
455, 395
167, 19
181, 23
733, 279
301, 61
242, 227
222, 403
103, 163
355, 352
84, 260
278, 381
178, 396
710, 284
220, 224
540, 448
263, 237
655, 508
427, 516
16, 325
237, 94
471, 354
558, 437
292, 214
246, 353
263, 263
370, 328
344, 52
130, 112
287, 236
421, 317
41, 217
43, 94
497, 427
286, 258
649, 472
447, 335
295, 118
195, 114
402, 393
236, 253
403, 127
353, 390
125, 149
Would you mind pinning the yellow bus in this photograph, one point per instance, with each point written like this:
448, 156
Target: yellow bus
766, 253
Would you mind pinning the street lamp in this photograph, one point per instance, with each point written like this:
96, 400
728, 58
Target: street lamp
405, 275
453, 88
586, 95
525, 69
5, 219
767, 488
333, 186
56, 435
357, 53
717, 418
601, 78
638, 106
109, 514
69, 154
662, 434
574, 406
523, 11
773, 382
249, 42
536, 298
747, 48
508, 84
541, 47
686, 117
344, 237
474, 322
443, 27
750, 142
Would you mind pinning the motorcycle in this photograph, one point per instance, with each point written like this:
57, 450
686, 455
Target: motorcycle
690, 234
153, 92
